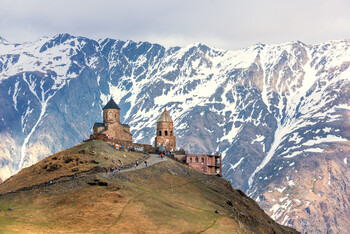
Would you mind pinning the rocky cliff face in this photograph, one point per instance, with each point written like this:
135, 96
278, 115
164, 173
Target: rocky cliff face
278, 114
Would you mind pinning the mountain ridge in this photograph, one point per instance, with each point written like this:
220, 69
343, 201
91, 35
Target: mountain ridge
263, 107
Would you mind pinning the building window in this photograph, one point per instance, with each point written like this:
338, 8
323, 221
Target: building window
196, 159
171, 133
166, 133
190, 159
202, 159
160, 133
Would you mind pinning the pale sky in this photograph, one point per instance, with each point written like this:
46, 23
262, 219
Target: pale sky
226, 24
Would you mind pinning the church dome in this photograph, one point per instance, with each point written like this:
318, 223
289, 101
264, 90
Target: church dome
165, 117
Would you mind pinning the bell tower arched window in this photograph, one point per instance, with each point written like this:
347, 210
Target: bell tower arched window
166, 133
160, 133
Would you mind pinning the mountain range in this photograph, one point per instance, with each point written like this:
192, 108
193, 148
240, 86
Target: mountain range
278, 114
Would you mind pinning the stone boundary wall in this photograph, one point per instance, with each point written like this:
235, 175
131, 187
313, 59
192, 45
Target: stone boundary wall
127, 144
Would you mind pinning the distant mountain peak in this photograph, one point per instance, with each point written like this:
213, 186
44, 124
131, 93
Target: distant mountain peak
3, 40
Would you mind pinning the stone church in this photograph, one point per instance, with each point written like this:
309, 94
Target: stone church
111, 126
165, 132
111, 129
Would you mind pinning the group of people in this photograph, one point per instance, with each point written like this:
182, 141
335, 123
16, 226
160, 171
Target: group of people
112, 169
117, 169
137, 163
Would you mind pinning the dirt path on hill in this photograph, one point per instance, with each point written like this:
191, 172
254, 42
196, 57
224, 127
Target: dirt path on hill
152, 160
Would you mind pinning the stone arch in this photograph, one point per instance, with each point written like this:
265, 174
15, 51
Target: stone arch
165, 133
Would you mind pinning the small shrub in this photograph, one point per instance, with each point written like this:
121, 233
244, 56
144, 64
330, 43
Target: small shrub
67, 159
53, 167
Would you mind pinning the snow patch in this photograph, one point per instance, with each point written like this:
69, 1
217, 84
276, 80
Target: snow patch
280, 189
314, 150
233, 167
259, 138
320, 140
278, 210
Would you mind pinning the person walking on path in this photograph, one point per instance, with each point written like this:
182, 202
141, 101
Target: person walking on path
145, 163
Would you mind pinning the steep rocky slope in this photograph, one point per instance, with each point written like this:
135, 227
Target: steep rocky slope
314, 199
265, 108
162, 198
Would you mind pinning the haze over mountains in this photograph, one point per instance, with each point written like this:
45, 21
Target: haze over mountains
279, 114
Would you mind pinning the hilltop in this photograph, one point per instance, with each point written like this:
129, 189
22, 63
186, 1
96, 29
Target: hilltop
164, 197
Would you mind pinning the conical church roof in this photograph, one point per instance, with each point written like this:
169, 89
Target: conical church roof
111, 105
165, 117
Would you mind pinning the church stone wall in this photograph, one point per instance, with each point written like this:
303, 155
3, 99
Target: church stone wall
97, 130
169, 142
166, 129
111, 115
118, 131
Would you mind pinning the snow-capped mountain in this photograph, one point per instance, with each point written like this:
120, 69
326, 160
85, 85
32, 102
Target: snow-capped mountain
278, 114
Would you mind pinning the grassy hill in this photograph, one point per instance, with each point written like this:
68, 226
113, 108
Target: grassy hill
168, 197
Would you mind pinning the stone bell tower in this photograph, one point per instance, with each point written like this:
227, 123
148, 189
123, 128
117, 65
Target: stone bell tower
111, 112
165, 132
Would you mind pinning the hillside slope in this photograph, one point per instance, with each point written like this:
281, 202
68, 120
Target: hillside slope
166, 197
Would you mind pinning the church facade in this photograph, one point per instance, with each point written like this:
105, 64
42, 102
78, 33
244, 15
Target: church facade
165, 132
111, 126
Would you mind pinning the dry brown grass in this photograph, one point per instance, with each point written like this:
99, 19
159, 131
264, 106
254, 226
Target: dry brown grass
74, 161
165, 198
